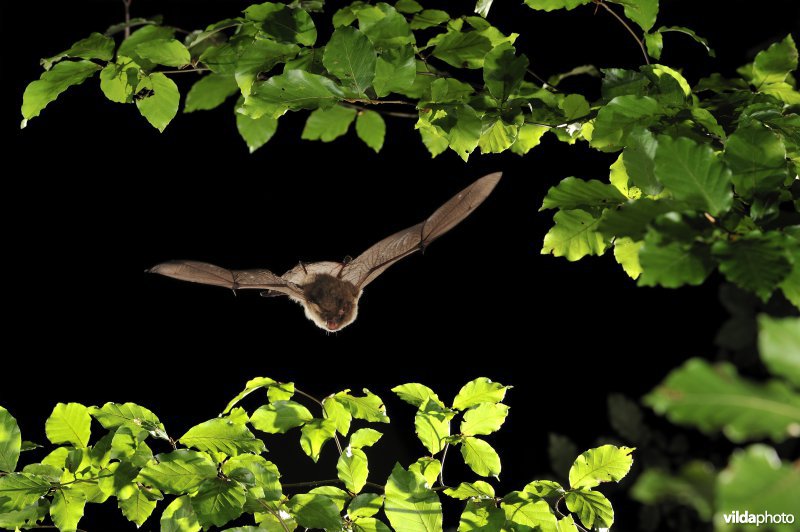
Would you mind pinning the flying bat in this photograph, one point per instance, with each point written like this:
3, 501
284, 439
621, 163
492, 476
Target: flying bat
329, 291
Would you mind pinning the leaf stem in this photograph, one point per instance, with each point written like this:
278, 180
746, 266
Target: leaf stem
127, 4
398, 114
441, 470
184, 71
325, 482
627, 27
324, 414
368, 101
555, 507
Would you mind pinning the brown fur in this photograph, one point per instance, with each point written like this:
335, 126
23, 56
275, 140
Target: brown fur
333, 300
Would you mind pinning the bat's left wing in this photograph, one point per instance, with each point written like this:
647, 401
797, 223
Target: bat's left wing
366, 267
205, 273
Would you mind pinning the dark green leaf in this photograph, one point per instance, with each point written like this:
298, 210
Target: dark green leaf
385, 27
592, 507
503, 71
296, 89
95, 46
160, 105
139, 37
209, 92
315, 511
351, 57
256, 131
756, 262
692, 486
692, 173
10, 441
168, 52
757, 159
52, 83
674, 264
218, 501
328, 124
448, 90
284, 23
224, 436
714, 398
632, 219
775, 63
642, 12
639, 161
429, 18
690, 33
261, 56
410, 505
619, 117
408, 6
461, 50
573, 193
395, 70
551, 5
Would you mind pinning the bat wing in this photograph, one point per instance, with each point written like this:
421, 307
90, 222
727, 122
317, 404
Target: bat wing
366, 267
205, 273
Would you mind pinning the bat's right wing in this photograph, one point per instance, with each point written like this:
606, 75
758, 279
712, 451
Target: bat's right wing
205, 273
374, 261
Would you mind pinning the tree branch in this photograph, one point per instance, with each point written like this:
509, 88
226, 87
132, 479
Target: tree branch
127, 4
398, 114
627, 27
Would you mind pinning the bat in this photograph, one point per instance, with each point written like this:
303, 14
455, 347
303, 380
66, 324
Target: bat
329, 291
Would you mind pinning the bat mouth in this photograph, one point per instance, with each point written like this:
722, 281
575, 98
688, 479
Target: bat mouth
332, 325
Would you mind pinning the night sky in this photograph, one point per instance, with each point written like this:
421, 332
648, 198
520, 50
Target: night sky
96, 196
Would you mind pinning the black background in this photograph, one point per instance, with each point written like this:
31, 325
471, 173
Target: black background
93, 195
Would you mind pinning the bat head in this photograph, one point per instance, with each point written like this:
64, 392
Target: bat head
331, 303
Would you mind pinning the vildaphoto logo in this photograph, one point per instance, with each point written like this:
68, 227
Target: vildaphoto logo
763, 518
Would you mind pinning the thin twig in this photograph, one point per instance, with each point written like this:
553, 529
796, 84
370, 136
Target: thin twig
555, 507
185, 71
325, 482
367, 101
627, 27
441, 467
127, 4
398, 114
540, 80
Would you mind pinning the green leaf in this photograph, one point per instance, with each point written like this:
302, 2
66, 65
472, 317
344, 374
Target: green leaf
756, 262
410, 505
432, 425
251, 386
28, 517
693, 174
693, 486
503, 71
654, 43
160, 105
408, 6
384, 26
371, 128
395, 70
337, 413
639, 161
256, 131
468, 490
328, 124
774, 64
19, 490
364, 438
757, 481
715, 397
352, 469
351, 57
370, 524
485, 418
52, 83
618, 176
608, 463
315, 511
281, 392
179, 516
365, 505
690, 33
480, 390
496, 135
10, 441
95, 46
433, 140
296, 89
178, 472
528, 137
461, 49
369, 407
66, 510
673, 265
619, 117
138, 507
209, 92
266, 476
626, 253
119, 80
574, 235
69, 423
284, 23
544, 488
757, 158
551, 5
481, 515
339, 496
314, 434
521, 509
779, 345
280, 416
642, 12
218, 501
573, 193
129, 46
167, 52
429, 18
480, 457
261, 56
416, 394
428, 467
113, 416
224, 436
464, 131
592, 507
